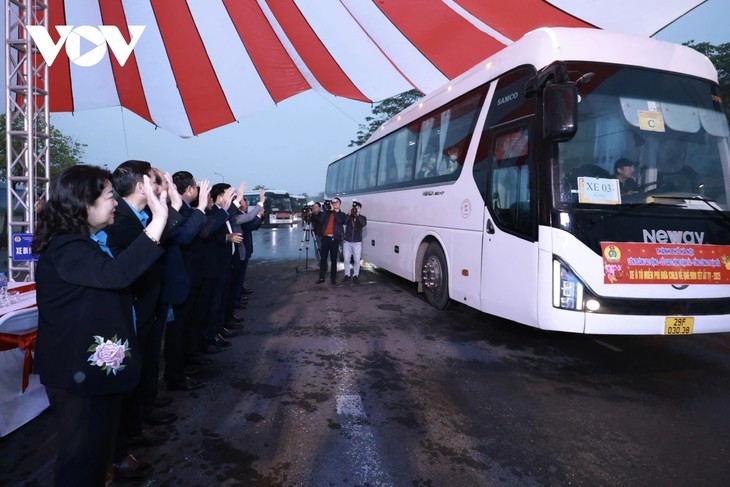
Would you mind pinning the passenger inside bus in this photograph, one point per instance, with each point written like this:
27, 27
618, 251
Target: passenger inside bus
392, 175
408, 175
685, 180
674, 175
428, 166
449, 164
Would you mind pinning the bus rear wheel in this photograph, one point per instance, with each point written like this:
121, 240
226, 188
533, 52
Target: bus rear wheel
435, 276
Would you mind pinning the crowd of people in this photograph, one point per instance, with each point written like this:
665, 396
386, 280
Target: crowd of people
134, 265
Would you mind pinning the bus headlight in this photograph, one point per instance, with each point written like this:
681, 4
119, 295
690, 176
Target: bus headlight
567, 289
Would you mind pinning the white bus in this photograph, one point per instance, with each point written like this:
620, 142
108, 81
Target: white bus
298, 202
277, 207
498, 190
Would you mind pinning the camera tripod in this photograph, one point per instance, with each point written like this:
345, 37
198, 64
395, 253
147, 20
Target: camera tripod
308, 235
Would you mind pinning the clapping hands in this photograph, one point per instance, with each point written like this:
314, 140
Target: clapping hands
203, 194
158, 208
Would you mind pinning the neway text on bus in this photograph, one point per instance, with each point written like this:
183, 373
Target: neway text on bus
673, 236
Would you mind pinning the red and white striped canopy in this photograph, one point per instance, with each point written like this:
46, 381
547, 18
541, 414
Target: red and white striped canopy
201, 64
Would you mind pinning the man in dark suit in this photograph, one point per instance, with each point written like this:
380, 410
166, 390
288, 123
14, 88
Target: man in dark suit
130, 221
220, 247
179, 290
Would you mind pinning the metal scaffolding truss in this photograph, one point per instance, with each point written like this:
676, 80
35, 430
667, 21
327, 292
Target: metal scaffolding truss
27, 144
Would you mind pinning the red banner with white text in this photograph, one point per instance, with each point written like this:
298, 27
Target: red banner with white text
649, 263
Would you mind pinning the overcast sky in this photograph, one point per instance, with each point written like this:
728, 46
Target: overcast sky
288, 146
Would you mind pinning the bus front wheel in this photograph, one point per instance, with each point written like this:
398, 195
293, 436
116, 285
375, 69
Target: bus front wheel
435, 276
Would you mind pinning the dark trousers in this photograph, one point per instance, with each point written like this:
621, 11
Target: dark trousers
202, 309
87, 428
328, 249
193, 333
140, 400
180, 341
159, 334
242, 278
234, 295
217, 311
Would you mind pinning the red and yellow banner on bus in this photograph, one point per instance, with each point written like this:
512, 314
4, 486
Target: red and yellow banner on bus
649, 263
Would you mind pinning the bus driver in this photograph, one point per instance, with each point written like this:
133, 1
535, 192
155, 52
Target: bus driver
623, 170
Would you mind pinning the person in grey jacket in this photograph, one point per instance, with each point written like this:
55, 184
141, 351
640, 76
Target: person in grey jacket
243, 222
352, 245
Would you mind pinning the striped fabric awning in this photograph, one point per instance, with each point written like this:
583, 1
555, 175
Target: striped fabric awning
202, 64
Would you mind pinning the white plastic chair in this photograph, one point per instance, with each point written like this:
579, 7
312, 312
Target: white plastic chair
17, 407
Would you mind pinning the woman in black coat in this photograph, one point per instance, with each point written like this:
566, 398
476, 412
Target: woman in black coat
87, 353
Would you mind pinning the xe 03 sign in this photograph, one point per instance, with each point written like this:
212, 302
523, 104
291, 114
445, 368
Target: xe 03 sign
648, 263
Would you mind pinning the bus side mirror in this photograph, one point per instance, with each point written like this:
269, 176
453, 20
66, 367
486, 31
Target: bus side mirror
560, 111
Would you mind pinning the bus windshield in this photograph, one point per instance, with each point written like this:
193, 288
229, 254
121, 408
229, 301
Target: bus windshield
278, 201
297, 202
644, 137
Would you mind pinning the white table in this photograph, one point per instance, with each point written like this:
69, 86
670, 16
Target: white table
18, 323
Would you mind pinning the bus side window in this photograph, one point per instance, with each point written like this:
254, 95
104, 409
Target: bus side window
333, 172
386, 162
509, 191
345, 176
405, 152
367, 165
397, 156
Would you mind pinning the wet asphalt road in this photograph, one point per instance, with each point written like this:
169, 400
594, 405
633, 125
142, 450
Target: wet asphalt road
368, 386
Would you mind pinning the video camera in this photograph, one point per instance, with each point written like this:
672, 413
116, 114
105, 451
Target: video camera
306, 213
327, 205
355, 208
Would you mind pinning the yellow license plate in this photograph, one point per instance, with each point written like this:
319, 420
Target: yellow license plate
678, 325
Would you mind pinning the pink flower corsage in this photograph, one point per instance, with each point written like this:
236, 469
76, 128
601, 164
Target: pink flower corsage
109, 354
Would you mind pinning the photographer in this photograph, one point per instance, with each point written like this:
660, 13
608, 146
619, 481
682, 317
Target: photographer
352, 245
313, 219
331, 221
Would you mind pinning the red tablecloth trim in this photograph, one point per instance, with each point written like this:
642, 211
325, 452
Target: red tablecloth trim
24, 288
24, 342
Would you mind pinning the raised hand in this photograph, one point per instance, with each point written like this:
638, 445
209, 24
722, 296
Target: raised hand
175, 198
203, 194
241, 190
158, 207
227, 198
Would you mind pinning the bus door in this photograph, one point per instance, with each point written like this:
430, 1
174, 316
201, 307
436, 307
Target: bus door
509, 245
